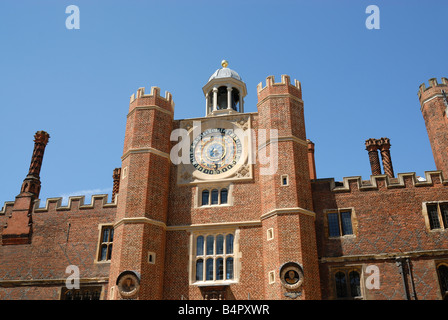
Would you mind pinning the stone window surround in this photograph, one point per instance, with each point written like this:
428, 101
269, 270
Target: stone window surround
439, 263
205, 231
101, 227
211, 186
346, 269
426, 216
338, 211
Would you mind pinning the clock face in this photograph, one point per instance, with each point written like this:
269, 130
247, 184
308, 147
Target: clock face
215, 151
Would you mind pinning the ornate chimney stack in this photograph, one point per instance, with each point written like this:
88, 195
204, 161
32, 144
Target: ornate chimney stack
311, 161
372, 148
116, 187
18, 229
384, 144
31, 183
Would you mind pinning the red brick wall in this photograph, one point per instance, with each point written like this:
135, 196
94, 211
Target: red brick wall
389, 221
144, 191
51, 252
280, 107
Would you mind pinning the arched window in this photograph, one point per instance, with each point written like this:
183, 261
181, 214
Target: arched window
348, 284
223, 196
442, 270
210, 245
214, 260
355, 286
205, 197
200, 246
219, 244
199, 270
229, 244
341, 285
215, 196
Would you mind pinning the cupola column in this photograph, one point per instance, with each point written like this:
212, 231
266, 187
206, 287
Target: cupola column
207, 103
229, 97
215, 98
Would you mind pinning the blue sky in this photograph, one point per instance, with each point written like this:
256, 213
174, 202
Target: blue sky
75, 84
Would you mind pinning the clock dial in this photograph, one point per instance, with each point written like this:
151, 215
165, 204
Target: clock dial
215, 151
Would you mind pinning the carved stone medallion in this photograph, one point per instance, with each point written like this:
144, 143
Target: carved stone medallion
291, 275
128, 285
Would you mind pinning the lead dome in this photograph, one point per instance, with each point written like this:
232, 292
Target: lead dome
224, 92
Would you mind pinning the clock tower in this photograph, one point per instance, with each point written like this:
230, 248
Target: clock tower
220, 148
234, 218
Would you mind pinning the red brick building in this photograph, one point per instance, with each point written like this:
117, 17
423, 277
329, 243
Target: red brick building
228, 206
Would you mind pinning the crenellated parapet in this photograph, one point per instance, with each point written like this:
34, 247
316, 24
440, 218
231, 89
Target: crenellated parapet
98, 201
434, 89
140, 99
279, 88
7, 207
376, 182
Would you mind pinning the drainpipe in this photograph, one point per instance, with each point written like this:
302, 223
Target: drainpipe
414, 294
399, 262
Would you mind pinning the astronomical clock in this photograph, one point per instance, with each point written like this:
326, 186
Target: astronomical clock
219, 150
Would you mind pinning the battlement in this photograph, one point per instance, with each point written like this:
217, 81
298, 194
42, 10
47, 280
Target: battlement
286, 80
8, 205
376, 182
155, 94
74, 202
424, 92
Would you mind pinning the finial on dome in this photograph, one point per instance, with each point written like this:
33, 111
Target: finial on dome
224, 63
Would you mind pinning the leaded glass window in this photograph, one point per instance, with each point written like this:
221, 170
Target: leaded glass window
340, 223
107, 237
442, 270
333, 224
217, 255
347, 284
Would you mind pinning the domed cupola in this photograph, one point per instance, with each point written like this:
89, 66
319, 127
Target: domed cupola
224, 92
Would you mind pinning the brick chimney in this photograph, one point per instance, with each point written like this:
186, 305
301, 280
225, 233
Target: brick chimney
372, 148
312, 163
19, 225
384, 145
116, 176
